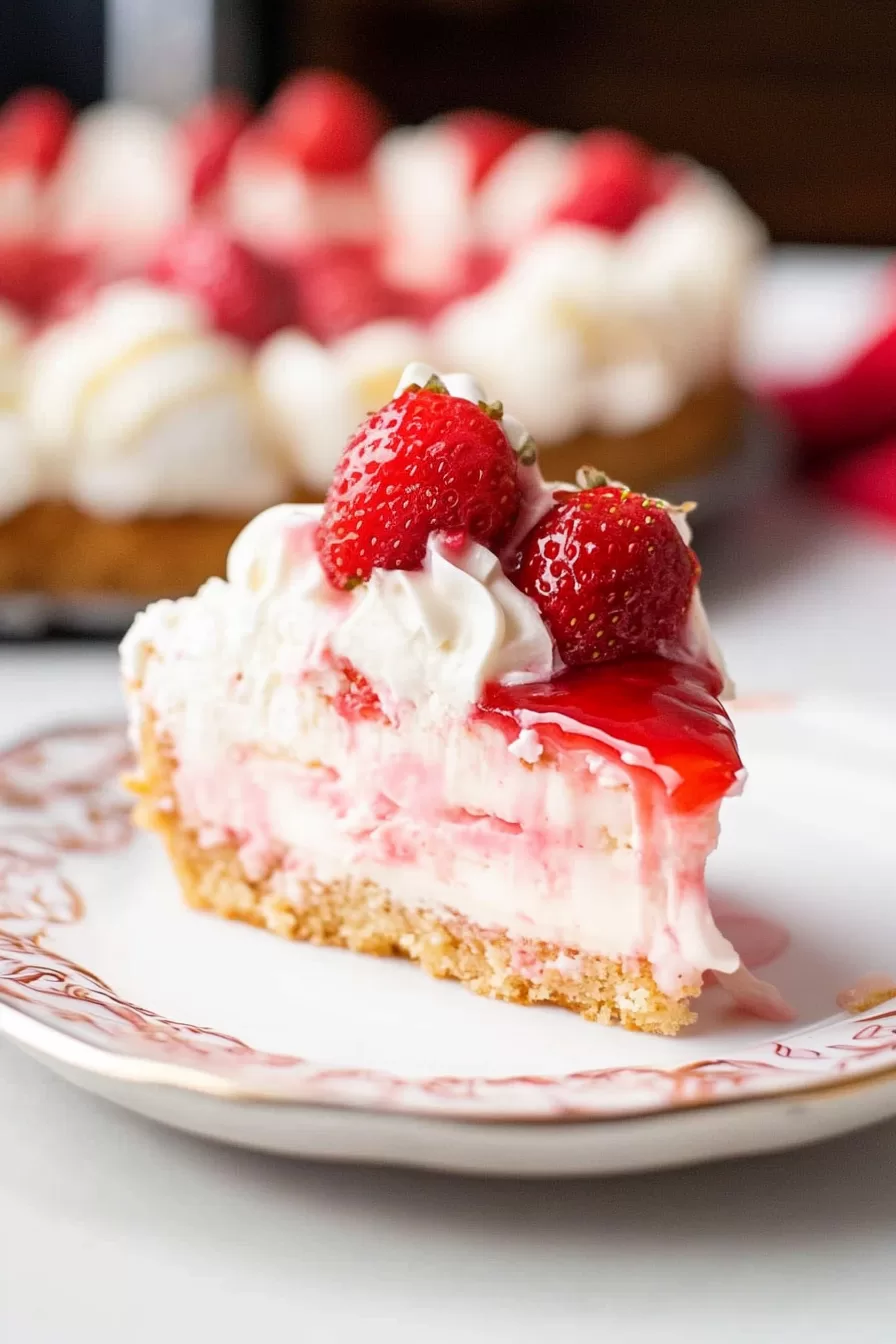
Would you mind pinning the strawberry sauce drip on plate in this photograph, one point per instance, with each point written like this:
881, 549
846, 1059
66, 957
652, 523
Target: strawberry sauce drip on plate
667, 708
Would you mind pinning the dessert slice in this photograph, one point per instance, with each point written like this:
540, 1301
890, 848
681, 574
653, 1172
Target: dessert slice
454, 715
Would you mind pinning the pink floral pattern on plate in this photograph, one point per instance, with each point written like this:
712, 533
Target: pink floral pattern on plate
59, 796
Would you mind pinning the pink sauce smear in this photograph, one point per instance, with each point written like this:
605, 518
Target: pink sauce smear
757, 938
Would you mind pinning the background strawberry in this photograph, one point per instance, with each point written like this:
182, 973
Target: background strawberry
245, 296
338, 288
426, 462
41, 280
611, 184
34, 127
327, 122
610, 574
486, 137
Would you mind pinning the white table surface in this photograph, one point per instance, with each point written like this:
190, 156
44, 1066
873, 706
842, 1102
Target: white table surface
113, 1229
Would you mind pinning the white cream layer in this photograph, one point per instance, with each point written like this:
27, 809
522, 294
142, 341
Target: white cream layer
549, 854
314, 396
121, 185
136, 406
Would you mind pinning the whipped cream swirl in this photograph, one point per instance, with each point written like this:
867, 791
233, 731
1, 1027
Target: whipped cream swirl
136, 405
430, 637
440, 633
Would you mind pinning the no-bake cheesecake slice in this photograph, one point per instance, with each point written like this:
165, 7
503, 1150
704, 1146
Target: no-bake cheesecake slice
455, 715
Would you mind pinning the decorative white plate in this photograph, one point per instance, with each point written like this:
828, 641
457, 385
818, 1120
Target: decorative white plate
228, 1032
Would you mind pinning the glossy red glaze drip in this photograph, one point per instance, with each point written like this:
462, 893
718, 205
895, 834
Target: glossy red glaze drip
664, 706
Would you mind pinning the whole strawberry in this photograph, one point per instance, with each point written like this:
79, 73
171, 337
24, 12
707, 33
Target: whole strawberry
34, 127
328, 123
611, 182
427, 462
243, 294
609, 572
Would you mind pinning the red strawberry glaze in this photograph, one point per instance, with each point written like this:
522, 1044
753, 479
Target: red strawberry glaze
666, 708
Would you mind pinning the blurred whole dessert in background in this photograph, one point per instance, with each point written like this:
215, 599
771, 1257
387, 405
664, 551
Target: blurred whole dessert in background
194, 315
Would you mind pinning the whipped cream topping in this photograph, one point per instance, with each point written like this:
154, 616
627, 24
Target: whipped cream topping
314, 396
136, 406
589, 330
422, 175
437, 635
430, 638
434, 215
517, 195
12, 346
270, 202
121, 184
20, 483
20, 475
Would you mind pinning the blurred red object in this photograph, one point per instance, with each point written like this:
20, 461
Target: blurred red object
326, 122
208, 135
39, 279
612, 182
857, 404
866, 480
34, 127
339, 288
486, 136
247, 297
845, 425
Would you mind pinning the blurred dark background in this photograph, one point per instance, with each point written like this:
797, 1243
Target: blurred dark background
793, 100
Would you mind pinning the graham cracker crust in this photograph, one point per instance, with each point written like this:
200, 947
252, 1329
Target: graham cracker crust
702, 432
54, 548
357, 914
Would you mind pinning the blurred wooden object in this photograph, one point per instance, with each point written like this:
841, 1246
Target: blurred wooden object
794, 102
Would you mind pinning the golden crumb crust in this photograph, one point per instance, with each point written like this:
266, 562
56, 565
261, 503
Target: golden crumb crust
54, 548
357, 914
702, 432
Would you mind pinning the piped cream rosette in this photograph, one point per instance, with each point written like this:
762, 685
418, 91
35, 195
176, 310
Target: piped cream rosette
136, 406
120, 186
315, 396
